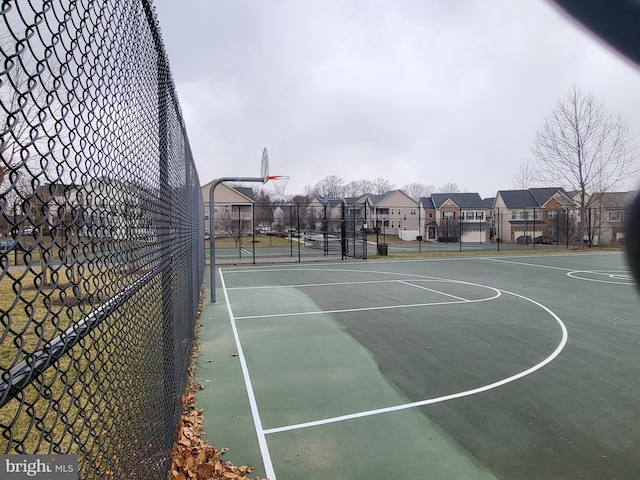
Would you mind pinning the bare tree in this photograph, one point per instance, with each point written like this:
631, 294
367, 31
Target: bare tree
586, 149
524, 177
310, 191
358, 188
449, 187
330, 187
15, 123
418, 190
263, 208
302, 212
381, 186
27, 123
233, 224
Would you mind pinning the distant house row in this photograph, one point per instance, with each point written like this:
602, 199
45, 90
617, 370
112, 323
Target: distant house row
509, 216
102, 207
117, 210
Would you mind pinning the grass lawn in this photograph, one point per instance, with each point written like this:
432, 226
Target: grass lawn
90, 400
261, 241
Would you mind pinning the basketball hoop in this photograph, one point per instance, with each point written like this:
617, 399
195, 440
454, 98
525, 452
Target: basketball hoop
279, 183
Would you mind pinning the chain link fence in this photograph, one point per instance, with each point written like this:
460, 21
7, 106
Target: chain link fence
301, 232
101, 244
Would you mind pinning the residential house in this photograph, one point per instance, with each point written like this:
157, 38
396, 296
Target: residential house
608, 215
395, 213
324, 209
116, 209
40, 208
232, 212
534, 212
358, 207
103, 207
462, 216
428, 219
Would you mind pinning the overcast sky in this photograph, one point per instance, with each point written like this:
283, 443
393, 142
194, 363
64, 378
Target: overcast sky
428, 91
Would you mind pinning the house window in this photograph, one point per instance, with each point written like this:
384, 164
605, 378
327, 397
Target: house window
524, 215
431, 215
479, 215
513, 215
552, 214
413, 211
392, 211
448, 215
227, 208
617, 216
391, 223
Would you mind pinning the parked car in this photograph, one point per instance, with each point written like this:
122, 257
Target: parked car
279, 234
524, 239
7, 244
543, 240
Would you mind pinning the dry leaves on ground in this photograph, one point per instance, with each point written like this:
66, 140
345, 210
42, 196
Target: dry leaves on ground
192, 457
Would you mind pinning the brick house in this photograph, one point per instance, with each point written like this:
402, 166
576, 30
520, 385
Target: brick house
534, 212
462, 216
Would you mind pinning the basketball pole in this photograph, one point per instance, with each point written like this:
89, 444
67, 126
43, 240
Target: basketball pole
212, 235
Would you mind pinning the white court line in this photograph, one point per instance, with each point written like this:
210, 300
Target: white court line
416, 277
571, 272
614, 274
365, 309
526, 264
262, 440
263, 432
434, 291
304, 285
431, 401
332, 284
296, 266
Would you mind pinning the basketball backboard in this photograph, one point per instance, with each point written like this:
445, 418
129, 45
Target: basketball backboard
265, 165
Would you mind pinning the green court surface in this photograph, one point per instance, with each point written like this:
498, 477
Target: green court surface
450, 368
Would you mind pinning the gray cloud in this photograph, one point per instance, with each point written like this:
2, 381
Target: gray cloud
411, 91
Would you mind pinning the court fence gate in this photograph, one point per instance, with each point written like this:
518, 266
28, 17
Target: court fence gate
101, 245
272, 231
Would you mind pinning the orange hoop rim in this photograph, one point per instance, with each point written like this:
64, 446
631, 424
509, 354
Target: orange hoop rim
277, 177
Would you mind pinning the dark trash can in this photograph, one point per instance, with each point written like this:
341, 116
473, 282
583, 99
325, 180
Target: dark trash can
383, 248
